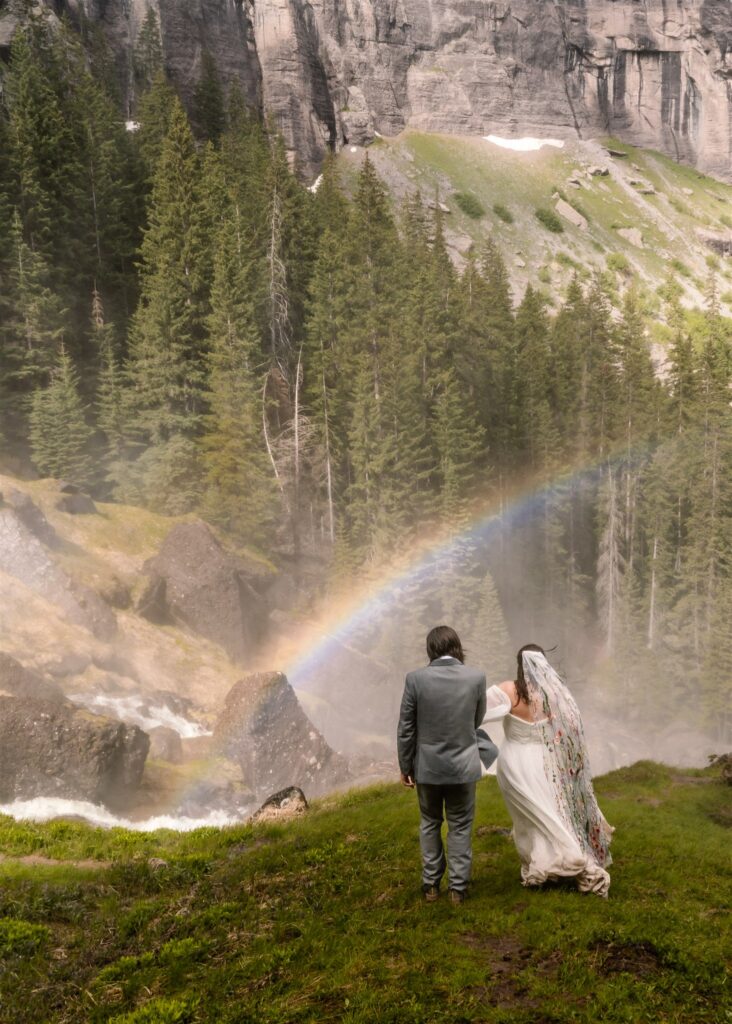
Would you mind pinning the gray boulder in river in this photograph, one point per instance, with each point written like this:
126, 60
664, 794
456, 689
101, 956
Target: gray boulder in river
53, 748
264, 729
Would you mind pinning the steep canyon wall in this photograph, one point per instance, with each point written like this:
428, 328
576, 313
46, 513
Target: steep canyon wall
655, 72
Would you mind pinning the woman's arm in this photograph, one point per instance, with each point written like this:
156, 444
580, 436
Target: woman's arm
497, 704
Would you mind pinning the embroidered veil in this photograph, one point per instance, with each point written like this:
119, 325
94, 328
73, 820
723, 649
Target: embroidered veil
566, 761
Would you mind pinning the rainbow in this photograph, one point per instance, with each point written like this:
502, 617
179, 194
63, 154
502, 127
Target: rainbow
348, 613
308, 648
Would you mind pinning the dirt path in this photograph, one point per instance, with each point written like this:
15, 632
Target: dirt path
48, 862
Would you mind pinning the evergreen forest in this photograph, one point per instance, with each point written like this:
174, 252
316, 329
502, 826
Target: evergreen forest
185, 326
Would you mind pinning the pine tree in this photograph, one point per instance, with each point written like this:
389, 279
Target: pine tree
488, 351
112, 394
59, 433
36, 319
41, 143
459, 443
537, 431
147, 61
155, 112
240, 493
168, 365
325, 384
209, 113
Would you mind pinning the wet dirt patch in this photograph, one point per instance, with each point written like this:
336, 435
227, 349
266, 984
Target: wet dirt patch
693, 780
722, 816
492, 830
639, 958
37, 860
510, 967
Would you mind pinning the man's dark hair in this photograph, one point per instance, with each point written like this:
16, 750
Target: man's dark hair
443, 641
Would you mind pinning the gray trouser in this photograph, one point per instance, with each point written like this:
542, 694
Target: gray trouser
459, 808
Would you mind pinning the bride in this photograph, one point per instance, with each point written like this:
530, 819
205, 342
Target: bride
544, 775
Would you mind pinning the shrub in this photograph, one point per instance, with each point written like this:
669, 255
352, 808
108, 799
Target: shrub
681, 268
727, 221
565, 260
618, 262
469, 204
549, 219
503, 213
19, 938
544, 275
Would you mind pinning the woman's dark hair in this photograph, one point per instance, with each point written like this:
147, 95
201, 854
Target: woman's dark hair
521, 688
443, 641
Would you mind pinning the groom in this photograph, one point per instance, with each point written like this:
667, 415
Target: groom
442, 706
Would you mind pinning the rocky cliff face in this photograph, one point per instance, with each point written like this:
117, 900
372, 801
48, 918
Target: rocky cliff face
657, 72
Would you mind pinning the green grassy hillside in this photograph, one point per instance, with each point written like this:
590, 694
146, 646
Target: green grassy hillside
321, 919
486, 190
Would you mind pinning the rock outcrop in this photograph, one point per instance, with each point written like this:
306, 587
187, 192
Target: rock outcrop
18, 681
264, 729
195, 582
328, 72
51, 748
25, 557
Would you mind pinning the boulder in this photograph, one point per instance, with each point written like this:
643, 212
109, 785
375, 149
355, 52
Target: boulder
23, 556
195, 582
52, 748
76, 504
32, 517
632, 235
569, 213
288, 803
69, 664
18, 681
114, 592
165, 745
264, 729
718, 241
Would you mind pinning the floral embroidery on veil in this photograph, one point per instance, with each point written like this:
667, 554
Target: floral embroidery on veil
566, 760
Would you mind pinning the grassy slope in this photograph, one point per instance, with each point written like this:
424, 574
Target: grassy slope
522, 182
320, 920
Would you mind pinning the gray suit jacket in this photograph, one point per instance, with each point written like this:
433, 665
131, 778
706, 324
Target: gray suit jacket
442, 706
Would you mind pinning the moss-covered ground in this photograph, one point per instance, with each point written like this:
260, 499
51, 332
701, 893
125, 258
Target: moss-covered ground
321, 919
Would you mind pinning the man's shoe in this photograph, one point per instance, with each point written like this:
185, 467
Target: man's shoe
456, 897
431, 894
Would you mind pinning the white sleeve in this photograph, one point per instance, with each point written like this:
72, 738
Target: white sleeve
497, 704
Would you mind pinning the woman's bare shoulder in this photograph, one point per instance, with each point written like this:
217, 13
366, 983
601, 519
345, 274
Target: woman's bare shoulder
508, 687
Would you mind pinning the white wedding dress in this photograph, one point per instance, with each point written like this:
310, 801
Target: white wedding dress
543, 774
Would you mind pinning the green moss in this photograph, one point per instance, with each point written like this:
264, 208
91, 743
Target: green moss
162, 1011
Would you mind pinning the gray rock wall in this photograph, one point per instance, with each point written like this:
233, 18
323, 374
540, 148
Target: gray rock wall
656, 73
